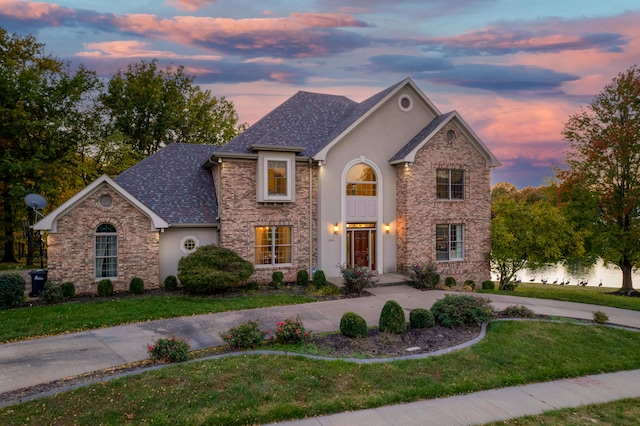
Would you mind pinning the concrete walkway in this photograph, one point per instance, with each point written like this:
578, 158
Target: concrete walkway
37, 361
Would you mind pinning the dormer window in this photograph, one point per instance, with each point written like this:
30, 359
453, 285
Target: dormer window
276, 177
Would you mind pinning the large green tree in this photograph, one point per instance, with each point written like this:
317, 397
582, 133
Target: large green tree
41, 103
148, 108
601, 185
529, 235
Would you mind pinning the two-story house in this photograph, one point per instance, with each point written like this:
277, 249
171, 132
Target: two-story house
320, 181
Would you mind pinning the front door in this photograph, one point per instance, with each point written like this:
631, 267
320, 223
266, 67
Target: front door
361, 246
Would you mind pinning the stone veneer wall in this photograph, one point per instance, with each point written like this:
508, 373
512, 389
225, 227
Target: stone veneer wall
240, 213
71, 250
418, 210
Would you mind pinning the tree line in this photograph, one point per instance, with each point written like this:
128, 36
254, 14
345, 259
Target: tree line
591, 209
61, 128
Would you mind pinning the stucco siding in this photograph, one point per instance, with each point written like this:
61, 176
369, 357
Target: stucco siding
172, 246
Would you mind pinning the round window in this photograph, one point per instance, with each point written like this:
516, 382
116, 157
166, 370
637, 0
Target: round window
105, 201
189, 244
405, 103
451, 135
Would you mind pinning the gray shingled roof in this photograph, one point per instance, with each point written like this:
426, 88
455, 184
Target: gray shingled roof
173, 183
308, 120
417, 139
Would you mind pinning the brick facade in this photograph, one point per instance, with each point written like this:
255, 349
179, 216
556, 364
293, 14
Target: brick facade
72, 248
419, 211
240, 213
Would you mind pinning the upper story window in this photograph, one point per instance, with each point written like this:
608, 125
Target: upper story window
361, 180
450, 184
106, 251
276, 177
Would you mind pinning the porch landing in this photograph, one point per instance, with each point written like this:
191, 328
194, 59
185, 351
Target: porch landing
382, 280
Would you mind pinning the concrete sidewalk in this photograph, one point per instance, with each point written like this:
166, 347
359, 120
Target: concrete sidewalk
37, 361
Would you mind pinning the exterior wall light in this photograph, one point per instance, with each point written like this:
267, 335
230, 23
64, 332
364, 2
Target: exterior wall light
387, 227
336, 228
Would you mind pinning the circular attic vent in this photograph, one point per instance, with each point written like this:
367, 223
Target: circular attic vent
405, 103
105, 201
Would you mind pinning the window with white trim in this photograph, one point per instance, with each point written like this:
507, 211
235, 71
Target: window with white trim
450, 184
361, 181
273, 245
276, 177
189, 244
106, 255
449, 242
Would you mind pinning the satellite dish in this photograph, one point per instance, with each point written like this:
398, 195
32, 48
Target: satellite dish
35, 201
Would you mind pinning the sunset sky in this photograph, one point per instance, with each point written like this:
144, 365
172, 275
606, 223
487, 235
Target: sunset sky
515, 70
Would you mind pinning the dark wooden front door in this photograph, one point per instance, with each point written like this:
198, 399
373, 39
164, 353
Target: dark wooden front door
361, 248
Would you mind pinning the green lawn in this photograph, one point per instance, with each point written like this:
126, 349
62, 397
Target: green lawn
591, 295
43, 320
255, 389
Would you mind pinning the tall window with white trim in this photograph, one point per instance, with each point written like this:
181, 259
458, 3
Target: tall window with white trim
106, 254
449, 242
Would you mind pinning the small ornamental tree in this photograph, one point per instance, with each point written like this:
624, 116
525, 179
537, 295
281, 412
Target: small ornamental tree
211, 269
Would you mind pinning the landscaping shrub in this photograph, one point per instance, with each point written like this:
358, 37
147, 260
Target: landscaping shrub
327, 290
353, 325
302, 277
319, 280
291, 331
510, 286
461, 311
450, 282
277, 278
68, 290
392, 318
12, 288
517, 311
423, 275
136, 286
356, 278
600, 317
245, 336
172, 349
171, 283
471, 284
488, 285
52, 293
421, 318
105, 288
212, 269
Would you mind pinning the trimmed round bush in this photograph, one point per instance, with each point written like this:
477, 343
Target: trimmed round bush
461, 311
277, 278
470, 283
136, 286
52, 293
105, 288
488, 285
302, 277
12, 287
171, 283
392, 318
212, 269
450, 282
319, 280
68, 290
421, 318
353, 325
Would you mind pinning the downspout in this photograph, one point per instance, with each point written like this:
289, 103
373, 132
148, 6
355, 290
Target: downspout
310, 217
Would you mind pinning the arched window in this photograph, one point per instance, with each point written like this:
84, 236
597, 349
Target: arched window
361, 180
106, 251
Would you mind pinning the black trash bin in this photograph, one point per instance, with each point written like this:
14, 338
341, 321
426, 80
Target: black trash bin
38, 278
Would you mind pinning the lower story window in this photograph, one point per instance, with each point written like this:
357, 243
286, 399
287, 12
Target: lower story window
449, 242
106, 251
273, 245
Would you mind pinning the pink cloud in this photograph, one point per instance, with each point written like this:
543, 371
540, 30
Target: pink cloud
24, 10
190, 5
133, 49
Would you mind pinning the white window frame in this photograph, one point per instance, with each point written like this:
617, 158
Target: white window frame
184, 249
450, 185
454, 250
113, 237
263, 177
273, 247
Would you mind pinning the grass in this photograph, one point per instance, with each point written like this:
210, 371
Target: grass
625, 412
44, 320
590, 295
257, 389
